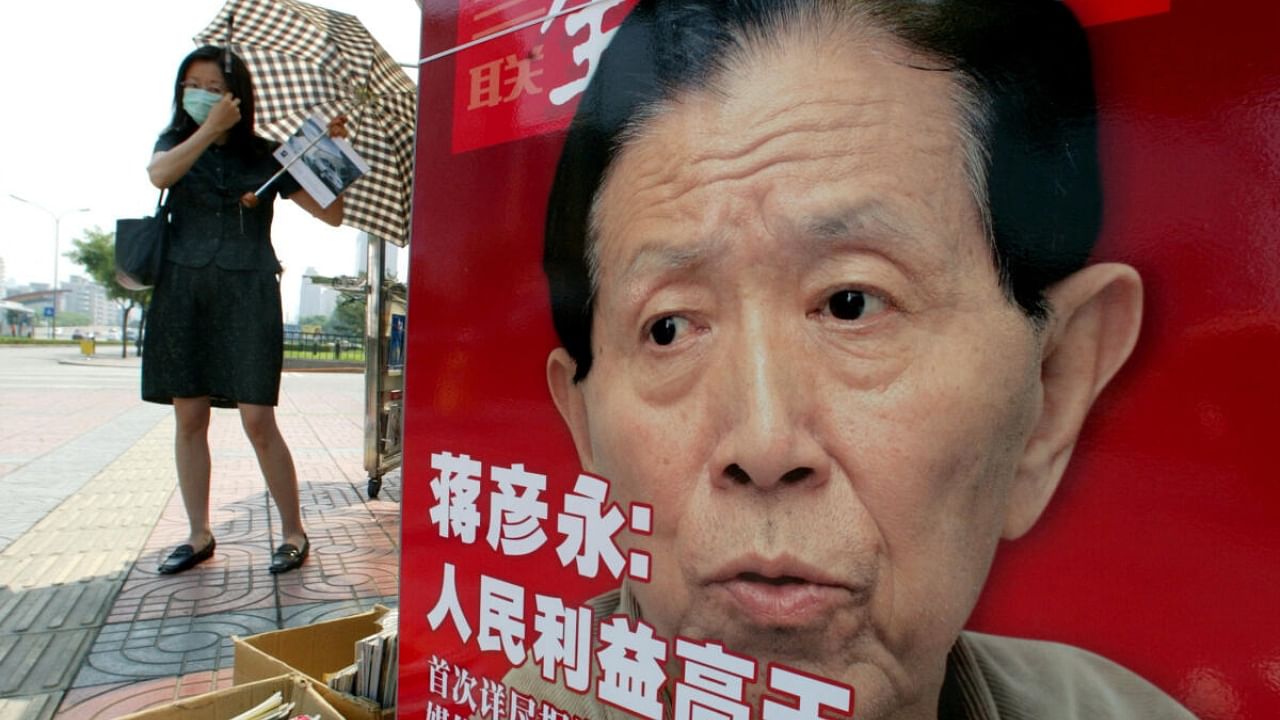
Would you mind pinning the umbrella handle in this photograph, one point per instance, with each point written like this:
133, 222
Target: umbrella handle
226, 54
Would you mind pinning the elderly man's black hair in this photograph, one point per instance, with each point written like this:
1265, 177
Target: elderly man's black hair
1022, 66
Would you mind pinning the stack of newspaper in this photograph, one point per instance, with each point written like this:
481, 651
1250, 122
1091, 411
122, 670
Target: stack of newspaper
273, 708
374, 673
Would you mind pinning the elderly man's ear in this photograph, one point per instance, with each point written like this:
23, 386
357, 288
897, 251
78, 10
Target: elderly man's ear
567, 395
1096, 314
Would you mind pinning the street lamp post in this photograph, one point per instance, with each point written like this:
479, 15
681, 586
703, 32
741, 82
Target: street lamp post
57, 221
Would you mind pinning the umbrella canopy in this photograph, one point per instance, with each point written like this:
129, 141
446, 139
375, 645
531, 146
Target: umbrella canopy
308, 60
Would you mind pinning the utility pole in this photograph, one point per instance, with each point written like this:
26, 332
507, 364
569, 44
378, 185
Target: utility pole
57, 221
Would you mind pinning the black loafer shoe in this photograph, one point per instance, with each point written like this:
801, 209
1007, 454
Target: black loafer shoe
288, 556
185, 557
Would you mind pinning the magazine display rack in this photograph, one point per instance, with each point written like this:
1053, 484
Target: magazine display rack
385, 319
386, 316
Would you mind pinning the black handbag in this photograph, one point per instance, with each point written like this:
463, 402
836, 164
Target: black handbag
140, 246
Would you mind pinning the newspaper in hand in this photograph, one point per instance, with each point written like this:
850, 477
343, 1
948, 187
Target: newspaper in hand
326, 165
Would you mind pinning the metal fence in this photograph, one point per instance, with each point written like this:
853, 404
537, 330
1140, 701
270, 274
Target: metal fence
338, 347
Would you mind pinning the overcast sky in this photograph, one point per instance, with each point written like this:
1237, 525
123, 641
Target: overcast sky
88, 88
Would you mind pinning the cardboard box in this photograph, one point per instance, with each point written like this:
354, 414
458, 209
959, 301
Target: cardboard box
312, 650
229, 702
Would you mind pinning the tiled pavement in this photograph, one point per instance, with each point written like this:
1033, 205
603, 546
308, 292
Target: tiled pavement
87, 627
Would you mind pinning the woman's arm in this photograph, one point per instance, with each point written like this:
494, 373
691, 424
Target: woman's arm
168, 166
331, 215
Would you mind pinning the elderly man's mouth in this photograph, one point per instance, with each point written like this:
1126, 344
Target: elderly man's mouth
784, 595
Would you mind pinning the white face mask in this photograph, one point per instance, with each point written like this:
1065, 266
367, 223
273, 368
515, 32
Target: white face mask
198, 102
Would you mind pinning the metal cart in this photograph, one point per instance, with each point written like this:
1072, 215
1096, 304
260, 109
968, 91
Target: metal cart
386, 314
386, 303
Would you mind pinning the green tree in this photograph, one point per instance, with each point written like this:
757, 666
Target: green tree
96, 253
348, 315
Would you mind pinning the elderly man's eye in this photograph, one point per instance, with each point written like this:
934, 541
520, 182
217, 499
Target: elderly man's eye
665, 329
853, 305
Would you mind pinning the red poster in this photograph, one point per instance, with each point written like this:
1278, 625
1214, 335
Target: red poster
527, 67
843, 364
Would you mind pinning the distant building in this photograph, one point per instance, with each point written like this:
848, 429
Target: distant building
36, 296
2, 278
82, 295
391, 257
315, 299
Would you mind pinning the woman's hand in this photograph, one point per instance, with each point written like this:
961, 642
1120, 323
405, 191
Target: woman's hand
338, 127
168, 166
225, 114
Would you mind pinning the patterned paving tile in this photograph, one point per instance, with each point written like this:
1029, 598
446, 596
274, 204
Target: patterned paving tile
208, 589
36, 663
349, 456
87, 626
332, 495
351, 550
299, 615
29, 707
116, 699
81, 605
91, 535
171, 645
390, 495
238, 513
62, 574
56, 458
78, 696
308, 586
36, 570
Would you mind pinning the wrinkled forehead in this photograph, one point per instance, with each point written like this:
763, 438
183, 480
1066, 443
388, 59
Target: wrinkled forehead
846, 100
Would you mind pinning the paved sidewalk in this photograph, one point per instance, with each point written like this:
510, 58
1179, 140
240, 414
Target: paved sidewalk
87, 627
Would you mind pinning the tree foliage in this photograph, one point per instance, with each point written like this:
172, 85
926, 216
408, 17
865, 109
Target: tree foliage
96, 253
348, 315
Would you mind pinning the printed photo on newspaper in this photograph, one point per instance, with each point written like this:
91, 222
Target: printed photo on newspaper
327, 165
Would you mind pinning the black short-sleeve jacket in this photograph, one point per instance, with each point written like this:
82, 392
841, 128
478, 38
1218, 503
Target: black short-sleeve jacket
208, 221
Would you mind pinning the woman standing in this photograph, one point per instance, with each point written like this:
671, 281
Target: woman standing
214, 331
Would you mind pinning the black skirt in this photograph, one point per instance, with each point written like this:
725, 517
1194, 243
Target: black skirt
214, 332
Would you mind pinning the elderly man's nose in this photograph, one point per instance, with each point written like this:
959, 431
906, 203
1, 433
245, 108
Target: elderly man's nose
768, 433
739, 475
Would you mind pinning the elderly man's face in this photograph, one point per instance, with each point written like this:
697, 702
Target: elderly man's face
804, 361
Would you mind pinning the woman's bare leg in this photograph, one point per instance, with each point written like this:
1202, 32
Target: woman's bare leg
191, 452
277, 467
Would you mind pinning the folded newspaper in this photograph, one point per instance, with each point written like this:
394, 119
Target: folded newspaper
322, 165
273, 708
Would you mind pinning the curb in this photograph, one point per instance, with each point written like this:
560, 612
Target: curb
334, 368
305, 366
95, 361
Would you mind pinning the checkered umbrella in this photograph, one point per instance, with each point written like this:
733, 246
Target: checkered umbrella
308, 61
